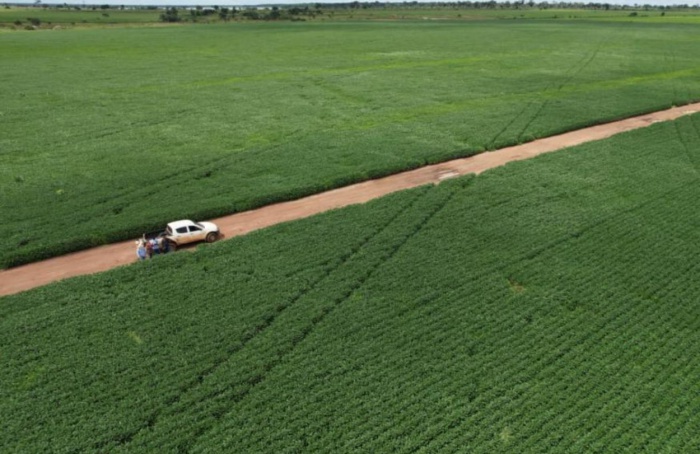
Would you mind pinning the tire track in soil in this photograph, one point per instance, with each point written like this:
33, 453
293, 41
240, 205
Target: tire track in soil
248, 382
672, 63
196, 171
650, 304
695, 127
535, 252
685, 147
572, 73
152, 420
282, 355
569, 74
102, 258
498, 135
650, 299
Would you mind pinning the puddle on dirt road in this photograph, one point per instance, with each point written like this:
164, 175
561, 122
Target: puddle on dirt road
446, 174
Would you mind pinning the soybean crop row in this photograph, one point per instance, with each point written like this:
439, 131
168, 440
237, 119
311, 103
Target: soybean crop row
107, 133
548, 305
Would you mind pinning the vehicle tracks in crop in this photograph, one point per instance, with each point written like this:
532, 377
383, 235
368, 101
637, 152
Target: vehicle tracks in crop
381, 257
171, 407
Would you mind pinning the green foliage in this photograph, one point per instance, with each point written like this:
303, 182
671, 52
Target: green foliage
170, 15
117, 131
545, 306
466, 11
75, 14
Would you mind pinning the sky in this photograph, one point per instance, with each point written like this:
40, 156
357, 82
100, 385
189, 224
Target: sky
279, 2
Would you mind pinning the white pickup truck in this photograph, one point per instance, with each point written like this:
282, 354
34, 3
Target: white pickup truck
179, 233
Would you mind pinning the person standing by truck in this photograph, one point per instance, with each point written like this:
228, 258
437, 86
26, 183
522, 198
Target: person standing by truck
149, 249
164, 245
140, 250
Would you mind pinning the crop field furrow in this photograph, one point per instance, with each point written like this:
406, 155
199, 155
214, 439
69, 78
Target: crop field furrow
654, 76
461, 408
614, 396
613, 353
429, 329
596, 223
555, 244
585, 62
444, 433
672, 62
417, 427
424, 217
116, 202
516, 117
167, 296
561, 356
260, 329
626, 426
629, 280
568, 76
578, 407
410, 418
393, 400
169, 180
544, 306
311, 73
681, 433
695, 127
630, 437
396, 396
209, 402
544, 95
564, 238
690, 156
337, 92
613, 331
428, 113
99, 131
103, 148
347, 295
110, 205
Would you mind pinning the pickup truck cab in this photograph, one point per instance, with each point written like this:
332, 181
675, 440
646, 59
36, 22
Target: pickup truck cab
179, 233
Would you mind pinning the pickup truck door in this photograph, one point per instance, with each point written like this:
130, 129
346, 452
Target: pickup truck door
182, 235
196, 233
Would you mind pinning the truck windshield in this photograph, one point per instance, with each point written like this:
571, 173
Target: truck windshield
199, 225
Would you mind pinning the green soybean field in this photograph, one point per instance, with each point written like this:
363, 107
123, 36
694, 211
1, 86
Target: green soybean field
109, 132
550, 305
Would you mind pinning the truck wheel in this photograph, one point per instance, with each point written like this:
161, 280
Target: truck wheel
173, 246
211, 237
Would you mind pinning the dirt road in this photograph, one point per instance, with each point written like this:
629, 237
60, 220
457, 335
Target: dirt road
110, 256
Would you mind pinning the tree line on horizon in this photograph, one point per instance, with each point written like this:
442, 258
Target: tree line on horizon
301, 11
